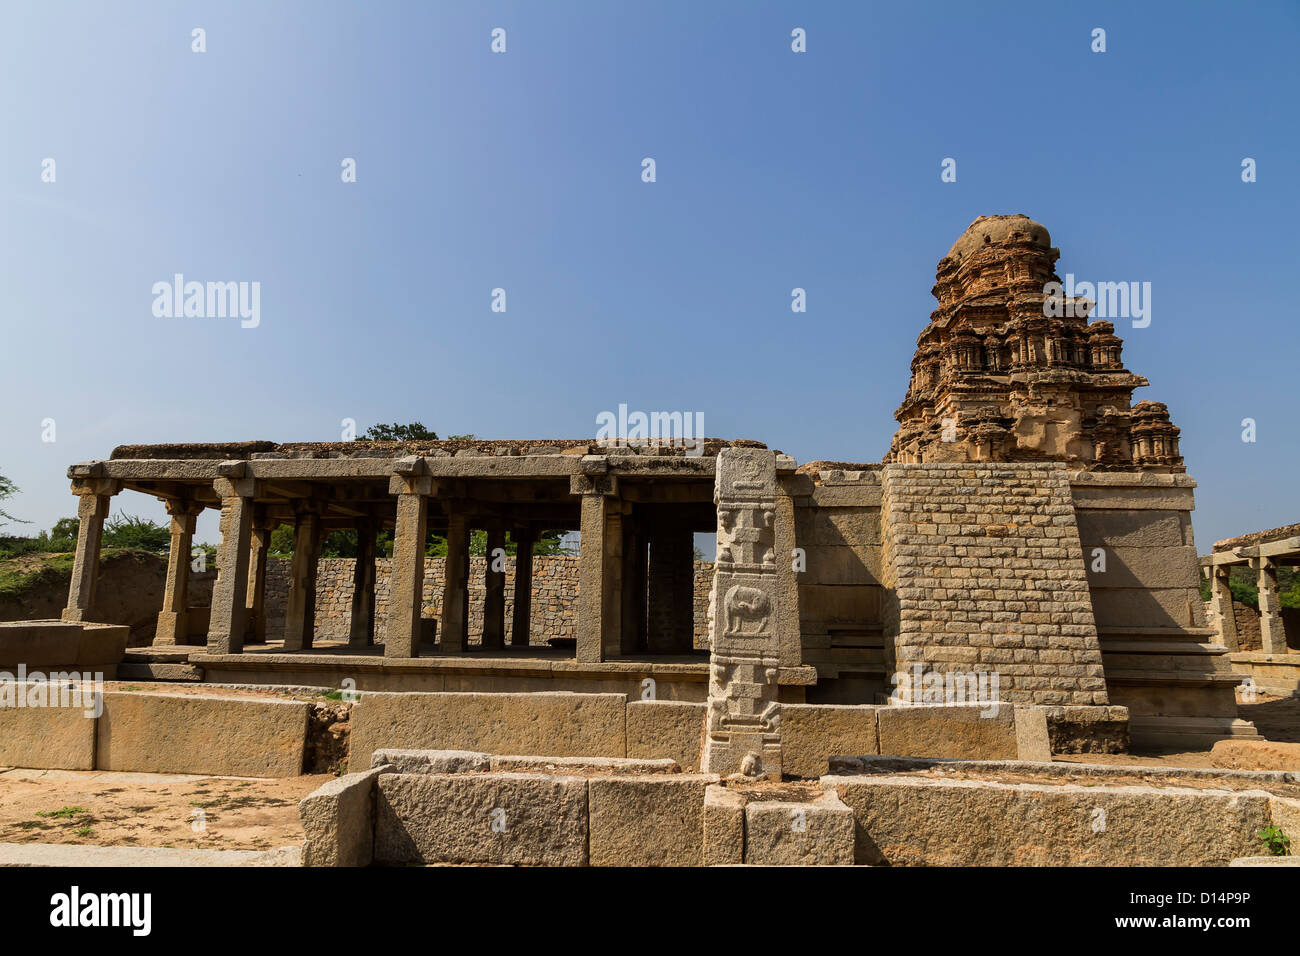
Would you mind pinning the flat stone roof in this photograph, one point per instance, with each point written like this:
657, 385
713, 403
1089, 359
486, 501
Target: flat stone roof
477, 448
1258, 537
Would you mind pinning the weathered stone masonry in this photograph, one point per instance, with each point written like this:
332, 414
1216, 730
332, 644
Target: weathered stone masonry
988, 575
554, 602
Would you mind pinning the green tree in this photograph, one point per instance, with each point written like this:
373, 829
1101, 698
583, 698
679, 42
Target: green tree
7, 490
413, 431
129, 531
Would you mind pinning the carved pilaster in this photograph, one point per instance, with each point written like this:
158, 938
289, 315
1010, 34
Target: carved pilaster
743, 732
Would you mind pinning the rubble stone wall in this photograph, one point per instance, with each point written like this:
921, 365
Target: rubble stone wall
554, 601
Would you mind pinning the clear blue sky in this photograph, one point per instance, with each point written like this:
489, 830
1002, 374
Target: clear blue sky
523, 171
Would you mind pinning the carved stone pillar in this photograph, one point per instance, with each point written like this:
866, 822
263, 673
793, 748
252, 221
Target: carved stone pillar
92, 509
1271, 633
406, 594
1221, 596
229, 617
521, 620
599, 567
494, 597
455, 578
173, 623
361, 632
743, 729
300, 610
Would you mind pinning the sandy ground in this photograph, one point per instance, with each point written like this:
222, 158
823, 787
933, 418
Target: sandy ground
102, 808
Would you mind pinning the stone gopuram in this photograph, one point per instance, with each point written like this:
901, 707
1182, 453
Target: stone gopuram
1029, 523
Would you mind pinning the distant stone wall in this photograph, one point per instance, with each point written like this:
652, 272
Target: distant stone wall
554, 601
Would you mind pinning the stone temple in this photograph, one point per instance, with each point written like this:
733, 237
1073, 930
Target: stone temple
1029, 521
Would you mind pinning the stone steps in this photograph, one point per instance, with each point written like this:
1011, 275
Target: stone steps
162, 671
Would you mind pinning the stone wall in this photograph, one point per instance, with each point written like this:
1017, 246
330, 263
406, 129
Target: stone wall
989, 575
554, 601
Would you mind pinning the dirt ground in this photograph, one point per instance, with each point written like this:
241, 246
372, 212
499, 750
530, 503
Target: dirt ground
102, 808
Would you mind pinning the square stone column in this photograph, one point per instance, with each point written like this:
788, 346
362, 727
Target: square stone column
406, 594
258, 551
300, 610
92, 509
173, 622
743, 721
521, 621
1271, 633
635, 584
361, 631
494, 598
455, 583
229, 618
600, 560
1221, 605
671, 588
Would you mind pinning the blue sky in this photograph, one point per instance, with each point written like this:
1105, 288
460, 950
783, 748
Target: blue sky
522, 171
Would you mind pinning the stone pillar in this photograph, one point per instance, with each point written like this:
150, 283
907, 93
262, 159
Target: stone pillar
229, 617
173, 623
1221, 598
259, 548
494, 580
300, 609
521, 621
743, 722
361, 632
787, 582
672, 588
1271, 633
599, 566
635, 576
455, 580
406, 594
92, 508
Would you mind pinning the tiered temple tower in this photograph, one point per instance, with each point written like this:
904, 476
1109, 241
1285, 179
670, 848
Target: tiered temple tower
997, 377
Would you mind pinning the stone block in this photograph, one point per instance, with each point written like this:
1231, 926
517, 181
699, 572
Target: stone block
339, 821
1032, 739
813, 733
724, 826
431, 761
1145, 568
192, 733
47, 738
781, 833
511, 818
548, 724
648, 820
915, 821
1131, 529
663, 728
968, 732
1144, 607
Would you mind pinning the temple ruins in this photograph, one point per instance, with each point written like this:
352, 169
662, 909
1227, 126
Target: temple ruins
1028, 520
